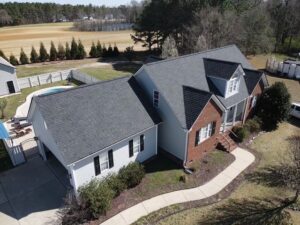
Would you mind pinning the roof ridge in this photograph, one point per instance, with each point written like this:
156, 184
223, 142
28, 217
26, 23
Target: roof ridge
221, 60
189, 55
84, 85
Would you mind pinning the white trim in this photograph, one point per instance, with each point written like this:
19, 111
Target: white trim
156, 136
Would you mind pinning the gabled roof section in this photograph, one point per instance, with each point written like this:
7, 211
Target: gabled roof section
252, 77
194, 102
220, 68
89, 118
6, 63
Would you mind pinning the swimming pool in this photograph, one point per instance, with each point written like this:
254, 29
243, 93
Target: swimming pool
53, 91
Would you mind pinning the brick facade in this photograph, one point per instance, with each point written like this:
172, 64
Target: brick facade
211, 113
256, 92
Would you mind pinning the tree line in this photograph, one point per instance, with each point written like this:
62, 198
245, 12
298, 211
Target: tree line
14, 13
68, 52
256, 26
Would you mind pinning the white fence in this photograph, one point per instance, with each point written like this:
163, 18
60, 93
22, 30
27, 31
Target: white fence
47, 78
41, 79
289, 69
15, 152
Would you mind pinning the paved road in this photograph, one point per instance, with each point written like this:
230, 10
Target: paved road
30, 194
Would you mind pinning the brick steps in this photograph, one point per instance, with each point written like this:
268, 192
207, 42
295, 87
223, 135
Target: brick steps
225, 142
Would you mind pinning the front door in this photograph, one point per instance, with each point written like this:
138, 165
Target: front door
11, 87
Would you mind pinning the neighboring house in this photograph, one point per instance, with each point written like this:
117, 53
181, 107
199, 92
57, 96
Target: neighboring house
8, 78
95, 129
199, 97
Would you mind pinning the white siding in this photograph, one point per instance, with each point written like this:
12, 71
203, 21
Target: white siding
42, 133
83, 170
171, 136
7, 74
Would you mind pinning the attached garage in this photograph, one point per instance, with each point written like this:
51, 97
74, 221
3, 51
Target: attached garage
8, 78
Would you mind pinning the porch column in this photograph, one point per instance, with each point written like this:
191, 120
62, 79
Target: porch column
225, 120
234, 114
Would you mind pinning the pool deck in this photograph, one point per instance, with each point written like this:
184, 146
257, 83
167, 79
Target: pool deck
22, 110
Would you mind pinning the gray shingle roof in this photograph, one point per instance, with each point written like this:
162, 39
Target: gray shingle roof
220, 68
89, 118
171, 75
6, 63
252, 77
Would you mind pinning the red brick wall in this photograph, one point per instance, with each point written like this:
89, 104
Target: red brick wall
210, 113
256, 92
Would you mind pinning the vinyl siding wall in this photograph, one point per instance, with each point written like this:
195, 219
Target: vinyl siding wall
7, 74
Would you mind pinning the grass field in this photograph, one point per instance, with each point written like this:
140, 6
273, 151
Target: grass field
25, 36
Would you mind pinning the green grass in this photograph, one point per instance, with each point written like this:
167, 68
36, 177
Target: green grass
5, 162
273, 148
16, 100
104, 73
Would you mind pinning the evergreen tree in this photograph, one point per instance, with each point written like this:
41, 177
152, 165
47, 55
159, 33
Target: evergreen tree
81, 54
43, 53
93, 51
129, 53
3, 55
61, 54
68, 52
74, 49
99, 49
104, 51
23, 57
34, 57
53, 52
13, 60
116, 52
110, 52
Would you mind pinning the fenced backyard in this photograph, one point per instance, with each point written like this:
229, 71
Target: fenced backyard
288, 68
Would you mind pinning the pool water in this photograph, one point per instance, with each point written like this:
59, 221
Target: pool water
53, 91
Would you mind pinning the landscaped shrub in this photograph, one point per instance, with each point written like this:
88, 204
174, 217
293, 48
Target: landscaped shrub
241, 132
253, 125
97, 196
132, 174
115, 184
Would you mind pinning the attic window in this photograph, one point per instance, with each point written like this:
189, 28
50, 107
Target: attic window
233, 86
155, 99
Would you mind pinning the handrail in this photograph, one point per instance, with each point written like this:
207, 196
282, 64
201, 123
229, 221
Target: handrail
227, 140
233, 133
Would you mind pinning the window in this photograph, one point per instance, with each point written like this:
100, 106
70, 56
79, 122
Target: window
155, 99
136, 145
254, 100
205, 133
233, 86
104, 162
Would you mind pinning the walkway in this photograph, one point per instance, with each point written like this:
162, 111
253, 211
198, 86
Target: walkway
243, 159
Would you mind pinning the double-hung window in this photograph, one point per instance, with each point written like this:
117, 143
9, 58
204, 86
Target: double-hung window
233, 86
104, 162
136, 145
155, 99
205, 133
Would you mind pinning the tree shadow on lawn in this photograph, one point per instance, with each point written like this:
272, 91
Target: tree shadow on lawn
130, 67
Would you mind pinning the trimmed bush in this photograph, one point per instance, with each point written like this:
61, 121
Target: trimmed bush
132, 174
253, 125
97, 197
115, 184
241, 132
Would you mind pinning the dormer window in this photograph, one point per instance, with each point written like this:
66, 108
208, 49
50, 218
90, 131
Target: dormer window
233, 85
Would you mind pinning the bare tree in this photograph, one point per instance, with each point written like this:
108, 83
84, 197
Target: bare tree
169, 48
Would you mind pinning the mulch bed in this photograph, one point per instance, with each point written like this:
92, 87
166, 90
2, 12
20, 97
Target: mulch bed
208, 168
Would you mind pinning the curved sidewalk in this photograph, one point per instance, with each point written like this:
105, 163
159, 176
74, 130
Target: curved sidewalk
243, 159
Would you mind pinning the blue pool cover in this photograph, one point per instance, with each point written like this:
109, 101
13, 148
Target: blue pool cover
3, 132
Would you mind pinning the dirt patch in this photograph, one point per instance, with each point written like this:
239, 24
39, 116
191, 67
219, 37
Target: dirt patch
206, 169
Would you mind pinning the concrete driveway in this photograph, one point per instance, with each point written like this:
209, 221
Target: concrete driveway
30, 194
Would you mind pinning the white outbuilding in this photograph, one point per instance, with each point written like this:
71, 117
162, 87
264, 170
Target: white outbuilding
8, 78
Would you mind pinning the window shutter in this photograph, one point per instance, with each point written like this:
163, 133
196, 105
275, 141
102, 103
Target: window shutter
213, 129
110, 158
97, 165
130, 148
197, 138
142, 142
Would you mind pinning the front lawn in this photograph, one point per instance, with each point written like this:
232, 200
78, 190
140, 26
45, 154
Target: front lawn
5, 162
273, 148
14, 101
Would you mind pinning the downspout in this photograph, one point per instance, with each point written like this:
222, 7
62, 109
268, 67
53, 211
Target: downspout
186, 148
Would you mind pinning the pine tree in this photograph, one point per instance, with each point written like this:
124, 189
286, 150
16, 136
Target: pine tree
3, 55
53, 52
23, 57
99, 49
81, 51
104, 51
68, 52
34, 57
13, 60
74, 49
61, 54
93, 51
43, 53
116, 52
110, 52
